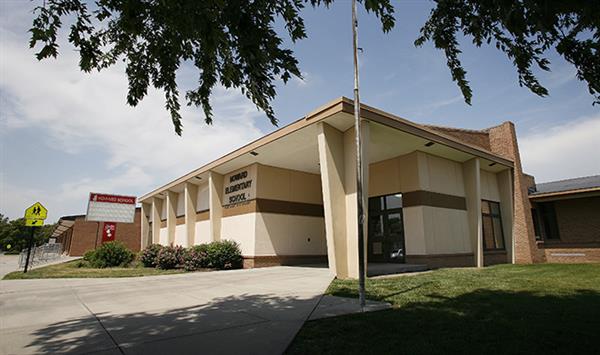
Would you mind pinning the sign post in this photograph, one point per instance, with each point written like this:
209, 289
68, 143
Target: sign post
34, 217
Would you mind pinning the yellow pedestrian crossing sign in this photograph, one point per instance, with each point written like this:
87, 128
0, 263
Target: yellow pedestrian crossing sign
35, 215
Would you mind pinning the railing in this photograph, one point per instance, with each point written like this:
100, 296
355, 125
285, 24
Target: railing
41, 254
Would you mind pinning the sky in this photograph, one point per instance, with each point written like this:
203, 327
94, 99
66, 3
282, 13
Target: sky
64, 133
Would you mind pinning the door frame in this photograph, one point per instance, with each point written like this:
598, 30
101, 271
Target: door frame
385, 212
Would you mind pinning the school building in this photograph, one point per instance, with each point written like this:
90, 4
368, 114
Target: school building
77, 235
436, 196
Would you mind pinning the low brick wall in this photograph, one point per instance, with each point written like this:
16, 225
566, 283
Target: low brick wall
571, 253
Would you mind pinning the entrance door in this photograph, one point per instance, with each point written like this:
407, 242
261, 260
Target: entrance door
386, 229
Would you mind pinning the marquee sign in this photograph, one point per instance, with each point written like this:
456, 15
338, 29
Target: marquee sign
239, 186
111, 208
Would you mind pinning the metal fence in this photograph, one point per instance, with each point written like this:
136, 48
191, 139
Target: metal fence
41, 254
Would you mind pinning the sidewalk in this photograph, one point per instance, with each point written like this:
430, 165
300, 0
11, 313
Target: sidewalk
10, 263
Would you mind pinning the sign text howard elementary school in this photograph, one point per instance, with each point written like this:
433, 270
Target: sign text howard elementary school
239, 186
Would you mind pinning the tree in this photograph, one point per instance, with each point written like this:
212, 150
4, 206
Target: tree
16, 234
233, 43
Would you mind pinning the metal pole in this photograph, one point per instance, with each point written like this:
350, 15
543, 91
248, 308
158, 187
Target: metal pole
359, 168
97, 230
29, 250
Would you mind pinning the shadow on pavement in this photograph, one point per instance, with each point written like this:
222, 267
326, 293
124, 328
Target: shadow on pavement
242, 324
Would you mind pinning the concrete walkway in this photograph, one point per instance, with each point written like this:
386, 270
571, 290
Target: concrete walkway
256, 311
10, 263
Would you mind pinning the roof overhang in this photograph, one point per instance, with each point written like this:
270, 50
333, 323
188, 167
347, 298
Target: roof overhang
336, 113
563, 195
62, 226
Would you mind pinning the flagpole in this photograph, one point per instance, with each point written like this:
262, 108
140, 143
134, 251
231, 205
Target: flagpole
359, 168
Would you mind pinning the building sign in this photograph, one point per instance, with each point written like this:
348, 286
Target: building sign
111, 208
239, 186
109, 232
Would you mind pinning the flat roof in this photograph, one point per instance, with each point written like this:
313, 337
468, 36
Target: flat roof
567, 186
340, 105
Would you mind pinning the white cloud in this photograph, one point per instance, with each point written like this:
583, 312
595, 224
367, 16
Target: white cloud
563, 151
81, 112
69, 197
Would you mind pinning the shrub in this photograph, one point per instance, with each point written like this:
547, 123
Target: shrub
109, 254
195, 258
89, 256
170, 257
148, 255
223, 254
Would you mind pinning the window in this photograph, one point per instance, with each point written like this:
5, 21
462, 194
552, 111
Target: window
493, 238
549, 222
386, 230
536, 224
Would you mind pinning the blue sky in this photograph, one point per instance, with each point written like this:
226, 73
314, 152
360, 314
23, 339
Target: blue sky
64, 133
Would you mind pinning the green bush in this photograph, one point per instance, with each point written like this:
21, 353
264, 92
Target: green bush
89, 255
149, 254
109, 254
195, 258
223, 255
170, 257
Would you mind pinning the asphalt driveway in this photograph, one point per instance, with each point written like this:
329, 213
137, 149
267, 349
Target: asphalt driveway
255, 311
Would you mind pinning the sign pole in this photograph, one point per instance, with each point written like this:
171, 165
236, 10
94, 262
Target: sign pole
29, 249
97, 229
359, 168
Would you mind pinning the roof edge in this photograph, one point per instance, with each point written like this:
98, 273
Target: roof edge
341, 104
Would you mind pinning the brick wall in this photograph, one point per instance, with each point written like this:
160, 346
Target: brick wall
83, 235
476, 138
571, 255
503, 141
578, 219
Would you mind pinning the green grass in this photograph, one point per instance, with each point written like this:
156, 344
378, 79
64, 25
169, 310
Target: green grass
71, 270
504, 309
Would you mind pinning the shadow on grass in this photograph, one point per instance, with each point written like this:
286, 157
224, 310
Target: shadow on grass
479, 322
264, 324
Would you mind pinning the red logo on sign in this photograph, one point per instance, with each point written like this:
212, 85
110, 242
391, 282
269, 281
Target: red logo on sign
109, 232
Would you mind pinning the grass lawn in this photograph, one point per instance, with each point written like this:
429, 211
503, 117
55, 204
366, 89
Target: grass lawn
71, 270
524, 309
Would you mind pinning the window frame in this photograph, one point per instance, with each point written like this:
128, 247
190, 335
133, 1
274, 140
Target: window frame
492, 215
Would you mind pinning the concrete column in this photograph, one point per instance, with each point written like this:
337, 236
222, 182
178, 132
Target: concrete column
215, 204
472, 178
352, 197
331, 162
505, 186
190, 194
145, 224
157, 204
171, 216
337, 159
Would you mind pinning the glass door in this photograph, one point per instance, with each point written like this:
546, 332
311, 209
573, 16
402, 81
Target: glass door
386, 229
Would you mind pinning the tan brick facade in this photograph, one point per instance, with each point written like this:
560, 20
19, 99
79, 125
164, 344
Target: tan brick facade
503, 141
